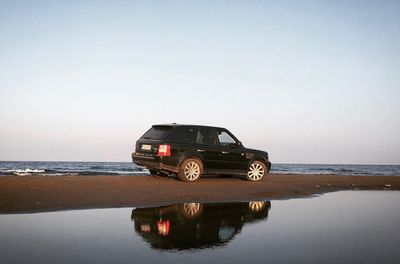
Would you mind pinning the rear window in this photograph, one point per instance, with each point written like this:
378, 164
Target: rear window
183, 135
157, 132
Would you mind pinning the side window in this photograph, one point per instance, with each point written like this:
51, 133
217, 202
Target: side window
187, 135
205, 136
183, 135
224, 138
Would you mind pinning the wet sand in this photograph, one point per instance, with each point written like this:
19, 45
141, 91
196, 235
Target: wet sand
26, 194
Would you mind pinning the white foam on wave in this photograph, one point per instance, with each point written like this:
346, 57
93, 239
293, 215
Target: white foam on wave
22, 172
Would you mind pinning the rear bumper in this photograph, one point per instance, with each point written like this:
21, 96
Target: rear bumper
151, 162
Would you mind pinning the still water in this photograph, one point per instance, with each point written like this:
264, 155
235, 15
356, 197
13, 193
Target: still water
347, 226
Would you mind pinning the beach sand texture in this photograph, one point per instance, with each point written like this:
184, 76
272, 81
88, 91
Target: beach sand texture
49, 193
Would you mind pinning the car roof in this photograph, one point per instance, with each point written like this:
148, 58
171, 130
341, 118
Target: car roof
185, 125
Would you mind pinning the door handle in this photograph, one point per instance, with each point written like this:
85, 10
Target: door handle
225, 152
200, 150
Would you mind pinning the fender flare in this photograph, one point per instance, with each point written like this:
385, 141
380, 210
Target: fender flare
260, 158
192, 155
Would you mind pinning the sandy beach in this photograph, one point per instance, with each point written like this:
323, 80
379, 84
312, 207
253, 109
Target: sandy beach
49, 193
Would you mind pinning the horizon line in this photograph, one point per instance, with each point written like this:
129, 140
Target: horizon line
280, 163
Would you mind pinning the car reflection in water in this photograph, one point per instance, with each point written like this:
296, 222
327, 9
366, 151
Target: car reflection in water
194, 225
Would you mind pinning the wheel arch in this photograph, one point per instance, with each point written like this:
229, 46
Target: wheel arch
258, 158
192, 155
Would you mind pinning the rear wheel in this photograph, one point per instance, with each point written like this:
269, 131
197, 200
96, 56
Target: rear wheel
191, 210
256, 172
190, 170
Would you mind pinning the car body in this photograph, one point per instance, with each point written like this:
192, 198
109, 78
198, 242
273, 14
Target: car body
191, 226
192, 150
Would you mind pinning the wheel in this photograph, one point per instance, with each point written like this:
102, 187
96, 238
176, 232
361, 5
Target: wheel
257, 206
191, 210
190, 170
256, 172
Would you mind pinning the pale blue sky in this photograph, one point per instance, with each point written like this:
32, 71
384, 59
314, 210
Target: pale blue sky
308, 81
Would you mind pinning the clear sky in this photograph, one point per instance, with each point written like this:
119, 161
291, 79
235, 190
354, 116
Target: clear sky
308, 81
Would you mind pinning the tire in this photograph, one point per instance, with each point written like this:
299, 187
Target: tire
190, 170
191, 210
257, 171
256, 207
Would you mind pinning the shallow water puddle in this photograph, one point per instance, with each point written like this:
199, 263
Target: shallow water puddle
347, 226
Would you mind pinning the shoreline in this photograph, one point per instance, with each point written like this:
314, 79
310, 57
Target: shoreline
33, 194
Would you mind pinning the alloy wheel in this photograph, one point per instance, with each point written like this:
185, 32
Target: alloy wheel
191, 209
192, 171
256, 171
256, 206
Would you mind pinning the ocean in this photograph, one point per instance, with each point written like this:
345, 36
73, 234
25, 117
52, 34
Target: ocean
52, 168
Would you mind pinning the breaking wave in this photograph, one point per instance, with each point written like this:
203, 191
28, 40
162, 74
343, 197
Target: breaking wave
69, 168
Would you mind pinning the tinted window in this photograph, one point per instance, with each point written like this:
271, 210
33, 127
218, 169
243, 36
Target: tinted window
183, 135
157, 132
224, 138
205, 136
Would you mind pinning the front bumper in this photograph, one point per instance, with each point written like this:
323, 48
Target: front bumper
269, 166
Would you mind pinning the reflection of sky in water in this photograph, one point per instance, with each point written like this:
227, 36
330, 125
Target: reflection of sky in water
338, 227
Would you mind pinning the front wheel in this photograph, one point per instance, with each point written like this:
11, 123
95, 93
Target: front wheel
190, 170
256, 172
256, 207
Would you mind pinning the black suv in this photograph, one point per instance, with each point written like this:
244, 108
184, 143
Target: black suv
192, 226
191, 150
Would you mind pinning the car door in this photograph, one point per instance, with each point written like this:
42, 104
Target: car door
232, 153
205, 143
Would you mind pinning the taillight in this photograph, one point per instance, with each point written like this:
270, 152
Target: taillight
164, 150
163, 227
